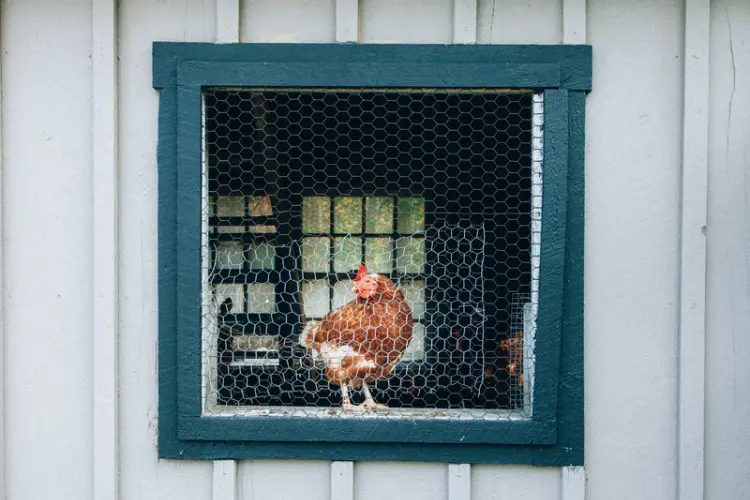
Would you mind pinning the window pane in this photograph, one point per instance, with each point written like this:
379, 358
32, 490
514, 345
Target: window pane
228, 255
379, 218
261, 298
315, 298
347, 254
414, 294
259, 205
230, 206
342, 293
255, 343
347, 211
378, 255
410, 215
230, 229
234, 292
410, 255
315, 255
262, 256
261, 229
415, 350
316, 214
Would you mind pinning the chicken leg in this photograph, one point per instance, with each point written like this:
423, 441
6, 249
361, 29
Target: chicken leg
369, 404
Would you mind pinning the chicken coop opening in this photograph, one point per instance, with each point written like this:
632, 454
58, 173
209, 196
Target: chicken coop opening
370, 252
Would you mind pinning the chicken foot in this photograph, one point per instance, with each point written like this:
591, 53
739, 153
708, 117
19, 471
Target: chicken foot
369, 404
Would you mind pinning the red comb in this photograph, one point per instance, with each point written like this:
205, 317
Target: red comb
362, 271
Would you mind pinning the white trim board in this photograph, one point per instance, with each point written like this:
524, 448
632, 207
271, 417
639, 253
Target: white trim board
691, 381
347, 20
105, 254
2, 302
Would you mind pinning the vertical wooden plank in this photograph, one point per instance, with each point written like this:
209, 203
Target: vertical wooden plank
105, 244
288, 21
574, 21
573, 486
691, 381
342, 481
514, 22
283, 479
225, 480
396, 21
140, 22
459, 482
464, 21
347, 20
227, 21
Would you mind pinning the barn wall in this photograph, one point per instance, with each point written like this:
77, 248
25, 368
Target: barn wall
634, 156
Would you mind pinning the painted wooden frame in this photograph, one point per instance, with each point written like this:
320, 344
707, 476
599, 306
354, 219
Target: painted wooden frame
554, 434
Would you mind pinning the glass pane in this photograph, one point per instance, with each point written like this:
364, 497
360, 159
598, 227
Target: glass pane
315, 298
230, 206
342, 293
316, 214
234, 292
261, 229
410, 215
228, 255
230, 229
262, 256
347, 212
261, 298
347, 254
255, 343
414, 294
378, 255
315, 255
415, 350
259, 205
379, 219
410, 255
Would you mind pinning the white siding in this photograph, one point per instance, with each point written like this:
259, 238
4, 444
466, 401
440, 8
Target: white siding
143, 475
728, 278
284, 480
47, 234
633, 167
520, 21
633, 136
303, 21
396, 21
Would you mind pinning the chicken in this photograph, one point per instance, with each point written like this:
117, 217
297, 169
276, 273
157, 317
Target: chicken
513, 345
362, 341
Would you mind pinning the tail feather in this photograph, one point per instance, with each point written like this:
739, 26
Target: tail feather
307, 337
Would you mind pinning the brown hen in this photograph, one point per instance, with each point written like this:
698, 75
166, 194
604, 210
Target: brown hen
363, 340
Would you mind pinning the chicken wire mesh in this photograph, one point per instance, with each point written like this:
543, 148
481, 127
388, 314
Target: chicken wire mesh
370, 253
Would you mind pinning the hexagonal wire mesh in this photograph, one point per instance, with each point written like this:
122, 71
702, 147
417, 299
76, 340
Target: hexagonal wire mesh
437, 193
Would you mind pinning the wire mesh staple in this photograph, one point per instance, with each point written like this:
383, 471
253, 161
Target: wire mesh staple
370, 253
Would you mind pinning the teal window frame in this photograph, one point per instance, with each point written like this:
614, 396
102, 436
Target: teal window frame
554, 434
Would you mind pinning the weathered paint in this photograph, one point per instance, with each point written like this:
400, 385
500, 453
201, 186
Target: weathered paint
632, 203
